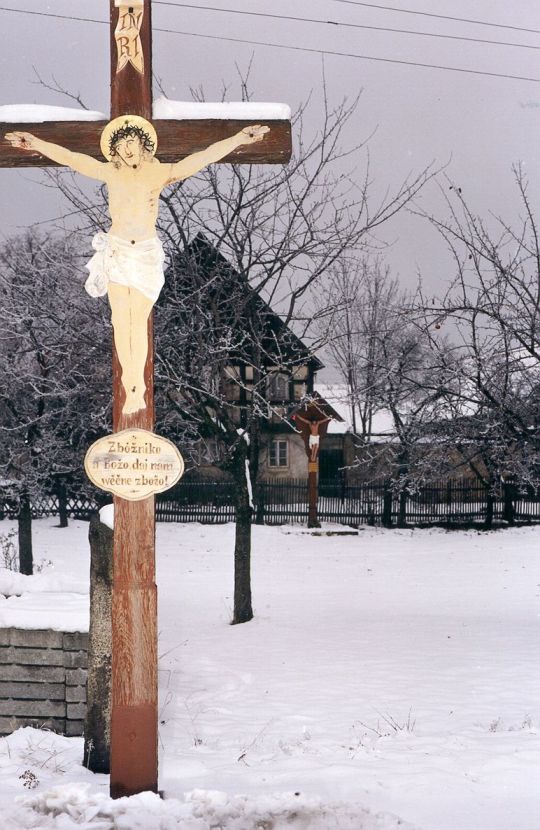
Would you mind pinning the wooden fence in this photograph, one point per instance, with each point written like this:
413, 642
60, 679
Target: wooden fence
448, 503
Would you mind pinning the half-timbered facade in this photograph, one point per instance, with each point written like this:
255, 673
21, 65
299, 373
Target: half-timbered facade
269, 363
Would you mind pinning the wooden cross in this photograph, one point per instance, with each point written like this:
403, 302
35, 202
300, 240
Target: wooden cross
312, 419
134, 602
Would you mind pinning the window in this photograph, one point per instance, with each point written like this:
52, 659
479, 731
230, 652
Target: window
277, 386
278, 454
231, 384
299, 391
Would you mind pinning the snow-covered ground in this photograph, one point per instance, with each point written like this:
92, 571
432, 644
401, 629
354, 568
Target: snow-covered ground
388, 680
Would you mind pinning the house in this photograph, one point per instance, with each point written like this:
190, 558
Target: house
266, 365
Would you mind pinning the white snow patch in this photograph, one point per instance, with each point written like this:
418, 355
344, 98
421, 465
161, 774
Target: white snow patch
106, 515
236, 110
36, 113
74, 806
396, 670
249, 486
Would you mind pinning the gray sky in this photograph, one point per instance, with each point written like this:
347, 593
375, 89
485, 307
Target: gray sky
479, 125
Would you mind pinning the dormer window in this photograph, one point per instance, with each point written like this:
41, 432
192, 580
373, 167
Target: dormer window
231, 383
277, 386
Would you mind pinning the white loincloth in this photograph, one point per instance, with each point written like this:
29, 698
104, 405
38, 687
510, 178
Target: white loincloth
138, 265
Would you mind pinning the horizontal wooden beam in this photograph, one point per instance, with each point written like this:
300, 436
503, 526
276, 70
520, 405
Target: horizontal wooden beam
176, 139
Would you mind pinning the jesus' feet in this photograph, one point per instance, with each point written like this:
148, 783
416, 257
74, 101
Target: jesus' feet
134, 400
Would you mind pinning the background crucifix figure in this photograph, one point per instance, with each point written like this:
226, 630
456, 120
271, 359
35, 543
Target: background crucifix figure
314, 440
128, 260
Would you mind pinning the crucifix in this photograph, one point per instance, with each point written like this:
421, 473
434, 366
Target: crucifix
141, 157
312, 419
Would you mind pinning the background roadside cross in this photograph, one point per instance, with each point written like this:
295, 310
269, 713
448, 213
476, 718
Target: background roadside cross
312, 419
134, 602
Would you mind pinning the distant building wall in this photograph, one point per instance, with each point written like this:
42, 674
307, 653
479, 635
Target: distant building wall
297, 462
42, 680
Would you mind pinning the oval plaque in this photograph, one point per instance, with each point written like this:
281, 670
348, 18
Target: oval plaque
133, 464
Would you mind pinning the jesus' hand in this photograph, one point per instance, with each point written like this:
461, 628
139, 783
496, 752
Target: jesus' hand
23, 140
254, 133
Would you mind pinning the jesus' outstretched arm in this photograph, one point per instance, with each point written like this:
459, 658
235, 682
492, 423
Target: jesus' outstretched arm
197, 161
79, 162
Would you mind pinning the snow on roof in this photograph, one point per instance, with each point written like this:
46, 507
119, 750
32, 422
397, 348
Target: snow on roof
256, 111
337, 396
33, 113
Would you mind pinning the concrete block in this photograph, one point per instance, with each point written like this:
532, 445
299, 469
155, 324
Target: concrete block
32, 656
31, 638
32, 691
33, 708
76, 677
76, 711
75, 694
74, 728
33, 674
75, 659
75, 641
8, 725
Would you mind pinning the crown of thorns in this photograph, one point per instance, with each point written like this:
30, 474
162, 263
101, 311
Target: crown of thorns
130, 130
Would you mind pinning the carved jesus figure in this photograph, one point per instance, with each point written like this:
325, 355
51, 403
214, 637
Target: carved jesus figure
314, 436
128, 260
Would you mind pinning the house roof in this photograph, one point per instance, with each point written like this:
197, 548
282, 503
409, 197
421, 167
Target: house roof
338, 397
203, 263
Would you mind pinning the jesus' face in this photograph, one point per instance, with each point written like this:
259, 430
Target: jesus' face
129, 150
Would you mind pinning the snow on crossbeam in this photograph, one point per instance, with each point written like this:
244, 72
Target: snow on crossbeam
38, 113
195, 110
163, 108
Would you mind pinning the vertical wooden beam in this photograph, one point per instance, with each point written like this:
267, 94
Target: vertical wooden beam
313, 493
134, 763
131, 91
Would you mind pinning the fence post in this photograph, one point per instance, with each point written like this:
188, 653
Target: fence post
387, 505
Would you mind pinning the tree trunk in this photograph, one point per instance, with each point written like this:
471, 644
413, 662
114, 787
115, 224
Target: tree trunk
490, 500
509, 507
97, 736
403, 471
387, 505
243, 611
26, 559
62, 502
254, 458
402, 511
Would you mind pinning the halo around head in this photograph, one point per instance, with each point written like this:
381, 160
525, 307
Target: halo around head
126, 121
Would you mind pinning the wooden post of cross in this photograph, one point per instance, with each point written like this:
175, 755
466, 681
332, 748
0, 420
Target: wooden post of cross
134, 648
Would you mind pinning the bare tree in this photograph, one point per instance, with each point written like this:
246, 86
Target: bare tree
52, 344
391, 363
492, 310
281, 229
359, 300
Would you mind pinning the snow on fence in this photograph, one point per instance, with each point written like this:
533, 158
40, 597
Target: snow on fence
450, 502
